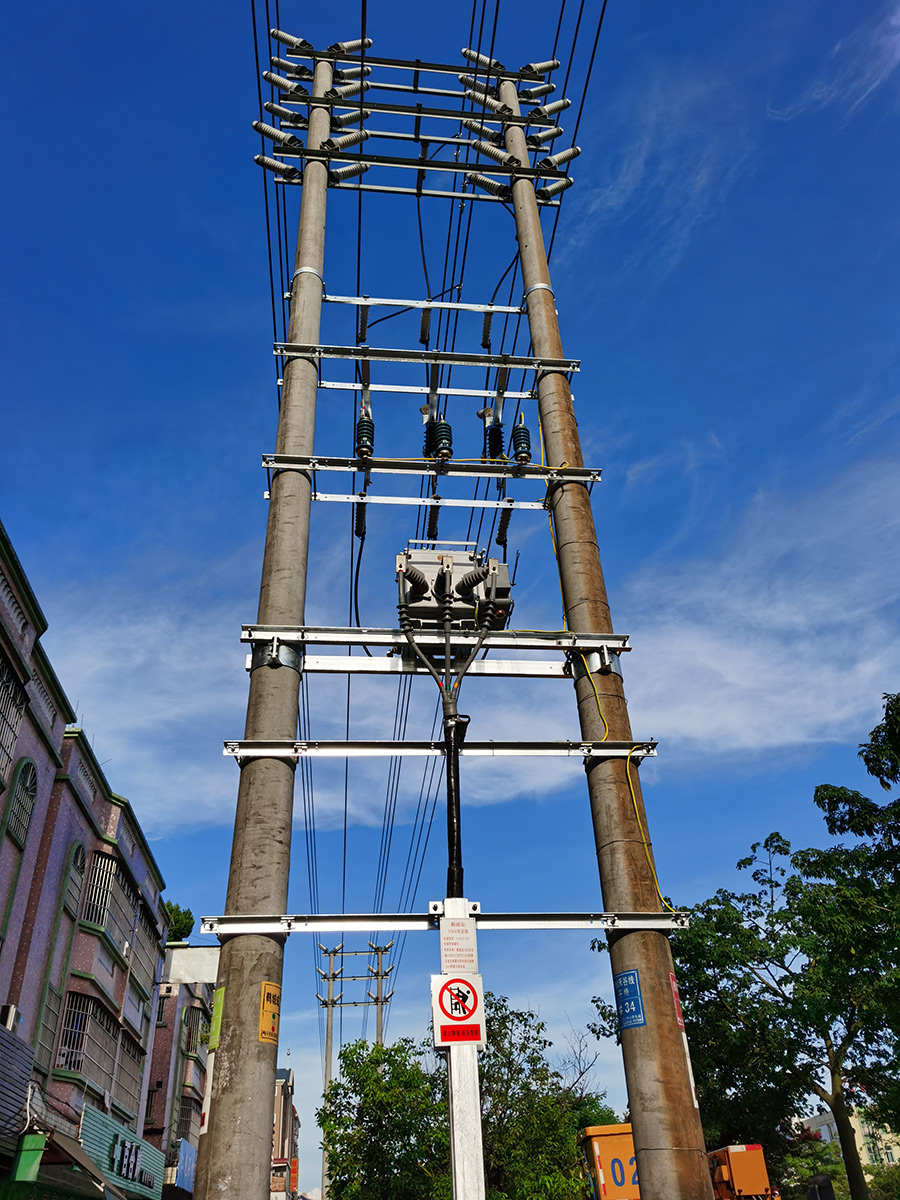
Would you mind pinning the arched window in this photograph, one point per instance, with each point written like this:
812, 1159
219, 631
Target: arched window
75, 882
12, 705
23, 802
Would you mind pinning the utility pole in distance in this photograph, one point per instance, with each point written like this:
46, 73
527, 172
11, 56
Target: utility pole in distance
236, 1151
668, 1136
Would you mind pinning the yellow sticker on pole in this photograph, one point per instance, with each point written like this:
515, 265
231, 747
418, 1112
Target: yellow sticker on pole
269, 1012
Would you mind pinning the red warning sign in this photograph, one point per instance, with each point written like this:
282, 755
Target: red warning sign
457, 1010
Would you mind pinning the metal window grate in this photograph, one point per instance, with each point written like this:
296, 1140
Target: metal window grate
193, 1021
43, 1055
88, 1041
189, 1120
12, 705
128, 1078
146, 948
75, 882
111, 900
23, 803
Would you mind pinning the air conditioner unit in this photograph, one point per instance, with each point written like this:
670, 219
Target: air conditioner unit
10, 1017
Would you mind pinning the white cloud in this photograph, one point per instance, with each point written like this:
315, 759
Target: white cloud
857, 66
685, 146
784, 639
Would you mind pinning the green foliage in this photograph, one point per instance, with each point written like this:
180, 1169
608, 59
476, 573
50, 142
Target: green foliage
181, 922
810, 1157
885, 1183
384, 1124
792, 988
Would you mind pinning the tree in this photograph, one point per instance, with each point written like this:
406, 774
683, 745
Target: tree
384, 1123
793, 988
181, 922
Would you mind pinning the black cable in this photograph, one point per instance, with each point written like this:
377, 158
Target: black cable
265, 191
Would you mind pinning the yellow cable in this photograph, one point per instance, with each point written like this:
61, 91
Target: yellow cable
646, 846
596, 697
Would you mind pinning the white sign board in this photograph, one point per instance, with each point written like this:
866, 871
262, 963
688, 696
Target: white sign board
457, 1010
458, 953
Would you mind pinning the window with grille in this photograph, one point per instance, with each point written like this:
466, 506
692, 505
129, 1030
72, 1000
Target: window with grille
43, 1055
24, 797
189, 1120
128, 1079
146, 951
75, 882
88, 1041
111, 899
12, 705
194, 1024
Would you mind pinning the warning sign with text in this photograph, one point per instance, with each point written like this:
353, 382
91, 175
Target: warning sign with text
458, 954
457, 1009
269, 1012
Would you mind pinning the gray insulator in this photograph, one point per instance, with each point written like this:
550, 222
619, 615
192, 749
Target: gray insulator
350, 47
554, 188
284, 85
348, 89
348, 73
434, 512
291, 69
489, 185
359, 520
416, 580
288, 39
548, 110
535, 93
503, 527
481, 60
471, 580
496, 106
557, 160
497, 154
543, 135
341, 173
541, 68
276, 135
349, 139
489, 135
279, 168
285, 114
425, 327
486, 89
486, 331
362, 325
342, 120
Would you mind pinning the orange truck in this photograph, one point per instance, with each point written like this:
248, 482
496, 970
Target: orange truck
737, 1172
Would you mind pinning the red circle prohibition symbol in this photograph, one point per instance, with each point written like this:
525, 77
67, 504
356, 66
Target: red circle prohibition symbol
458, 1000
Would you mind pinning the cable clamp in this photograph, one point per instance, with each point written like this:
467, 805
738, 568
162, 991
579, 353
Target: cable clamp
309, 271
538, 287
599, 662
275, 653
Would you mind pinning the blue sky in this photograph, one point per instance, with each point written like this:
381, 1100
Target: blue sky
726, 269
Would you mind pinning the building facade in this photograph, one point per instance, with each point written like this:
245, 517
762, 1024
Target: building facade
877, 1146
82, 932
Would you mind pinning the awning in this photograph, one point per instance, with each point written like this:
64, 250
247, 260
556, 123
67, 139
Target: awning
76, 1153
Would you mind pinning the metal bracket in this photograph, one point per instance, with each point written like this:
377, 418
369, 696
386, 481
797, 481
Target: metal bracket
538, 287
525, 362
275, 652
309, 271
629, 922
496, 639
293, 751
599, 662
427, 467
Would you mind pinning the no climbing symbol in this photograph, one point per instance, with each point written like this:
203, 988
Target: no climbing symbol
457, 1009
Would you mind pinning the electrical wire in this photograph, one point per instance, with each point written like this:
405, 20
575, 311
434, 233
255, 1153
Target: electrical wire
644, 841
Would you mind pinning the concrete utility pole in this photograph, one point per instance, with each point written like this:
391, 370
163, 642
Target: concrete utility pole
668, 1137
236, 1151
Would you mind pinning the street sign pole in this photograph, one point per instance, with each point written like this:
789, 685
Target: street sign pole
459, 957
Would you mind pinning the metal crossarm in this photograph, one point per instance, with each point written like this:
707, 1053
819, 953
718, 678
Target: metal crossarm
424, 501
231, 926
503, 639
430, 357
443, 165
314, 748
425, 467
449, 305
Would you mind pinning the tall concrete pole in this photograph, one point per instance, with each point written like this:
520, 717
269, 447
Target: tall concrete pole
668, 1137
329, 1041
236, 1152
